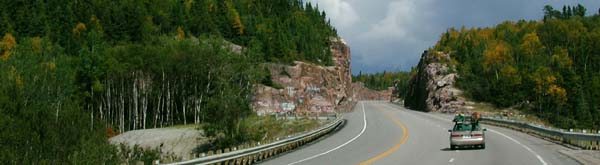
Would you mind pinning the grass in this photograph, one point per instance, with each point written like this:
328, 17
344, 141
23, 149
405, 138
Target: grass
269, 126
274, 128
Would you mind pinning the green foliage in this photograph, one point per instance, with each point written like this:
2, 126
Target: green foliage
261, 128
40, 120
288, 30
137, 153
545, 67
284, 73
382, 81
71, 70
567, 12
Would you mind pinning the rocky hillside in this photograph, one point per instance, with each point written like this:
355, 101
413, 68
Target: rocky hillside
306, 88
432, 88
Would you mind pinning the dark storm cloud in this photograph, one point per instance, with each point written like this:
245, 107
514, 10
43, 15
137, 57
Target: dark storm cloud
392, 34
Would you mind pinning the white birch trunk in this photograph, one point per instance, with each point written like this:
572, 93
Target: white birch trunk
168, 102
145, 103
122, 108
184, 105
135, 101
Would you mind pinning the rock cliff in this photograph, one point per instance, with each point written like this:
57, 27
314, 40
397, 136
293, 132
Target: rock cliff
308, 88
432, 87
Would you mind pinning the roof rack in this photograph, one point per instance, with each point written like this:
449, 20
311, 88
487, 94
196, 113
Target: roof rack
463, 119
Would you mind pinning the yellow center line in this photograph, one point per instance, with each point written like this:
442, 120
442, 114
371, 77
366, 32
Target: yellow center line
395, 147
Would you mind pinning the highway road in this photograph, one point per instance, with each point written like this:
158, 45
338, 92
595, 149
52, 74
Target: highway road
384, 133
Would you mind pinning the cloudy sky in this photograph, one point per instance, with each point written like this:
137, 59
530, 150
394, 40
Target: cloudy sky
391, 34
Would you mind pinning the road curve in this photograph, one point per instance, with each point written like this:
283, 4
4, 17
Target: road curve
384, 133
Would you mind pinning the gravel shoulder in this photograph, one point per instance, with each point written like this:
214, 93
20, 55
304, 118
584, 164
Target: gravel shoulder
176, 141
583, 156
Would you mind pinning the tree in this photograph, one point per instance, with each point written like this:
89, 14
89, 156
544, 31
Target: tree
553, 65
579, 10
6, 45
558, 94
530, 47
234, 16
549, 13
495, 56
87, 67
561, 58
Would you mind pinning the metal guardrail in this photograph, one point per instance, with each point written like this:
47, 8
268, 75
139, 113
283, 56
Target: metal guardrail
582, 140
296, 116
261, 152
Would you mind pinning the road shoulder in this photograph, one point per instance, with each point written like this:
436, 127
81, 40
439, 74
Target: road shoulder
583, 156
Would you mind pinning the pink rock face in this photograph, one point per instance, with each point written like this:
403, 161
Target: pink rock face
308, 88
442, 95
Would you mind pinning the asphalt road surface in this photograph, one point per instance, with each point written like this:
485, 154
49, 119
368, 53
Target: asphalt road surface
384, 133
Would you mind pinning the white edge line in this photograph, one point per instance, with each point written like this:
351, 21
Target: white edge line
508, 137
340, 146
524, 146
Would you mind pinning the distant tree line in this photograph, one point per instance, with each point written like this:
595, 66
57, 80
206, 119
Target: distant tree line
384, 80
567, 12
74, 73
550, 68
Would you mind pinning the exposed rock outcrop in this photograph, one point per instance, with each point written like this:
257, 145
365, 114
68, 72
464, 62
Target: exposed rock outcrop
363, 93
432, 87
308, 88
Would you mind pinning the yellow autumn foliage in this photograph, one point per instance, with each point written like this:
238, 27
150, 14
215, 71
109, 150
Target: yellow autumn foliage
37, 44
496, 54
80, 27
511, 74
180, 33
562, 59
6, 45
453, 34
531, 44
485, 34
558, 93
50, 65
235, 19
16, 77
188, 5
550, 79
